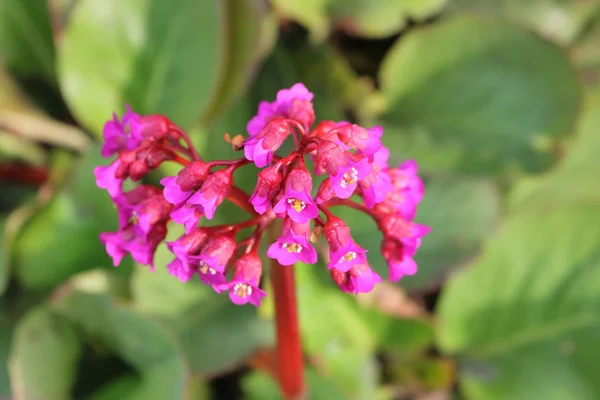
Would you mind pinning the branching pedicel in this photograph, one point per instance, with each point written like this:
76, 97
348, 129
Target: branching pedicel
353, 158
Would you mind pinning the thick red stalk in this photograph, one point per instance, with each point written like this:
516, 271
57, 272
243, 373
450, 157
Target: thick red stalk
290, 367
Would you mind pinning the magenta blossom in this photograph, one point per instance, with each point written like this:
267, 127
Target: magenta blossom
345, 181
260, 148
359, 279
214, 258
293, 245
243, 288
224, 254
293, 103
213, 192
106, 179
117, 135
267, 186
296, 201
375, 187
187, 215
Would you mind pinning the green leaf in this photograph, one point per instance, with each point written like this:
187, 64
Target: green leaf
575, 179
381, 18
160, 56
560, 20
26, 40
310, 13
369, 18
215, 334
6, 334
144, 344
62, 237
485, 87
334, 332
528, 312
44, 356
245, 28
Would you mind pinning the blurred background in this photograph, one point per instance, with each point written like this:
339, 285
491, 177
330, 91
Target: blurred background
498, 101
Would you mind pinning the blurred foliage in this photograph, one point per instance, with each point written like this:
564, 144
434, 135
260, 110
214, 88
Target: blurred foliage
496, 99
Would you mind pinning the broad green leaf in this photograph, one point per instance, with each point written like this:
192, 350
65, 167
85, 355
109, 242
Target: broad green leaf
43, 361
560, 20
369, 18
62, 237
575, 179
483, 86
460, 212
144, 344
527, 313
310, 13
399, 335
160, 56
215, 334
245, 27
380, 18
6, 334
26, 42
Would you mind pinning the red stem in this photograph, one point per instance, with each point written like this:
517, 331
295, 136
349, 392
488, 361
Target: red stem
188, 142
349, 203
289, 350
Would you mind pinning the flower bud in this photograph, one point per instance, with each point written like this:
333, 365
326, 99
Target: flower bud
261, 148
214, 189
330, 157
267, 186
149, 127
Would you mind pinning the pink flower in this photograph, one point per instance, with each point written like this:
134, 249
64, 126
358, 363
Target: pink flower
293, 245
360, 279
106, 179
149, 127
187, 215
368, 141
179, 188
243, 288
407, 232
213, 191
325, 191
296, 201
330, 157
181, 272
213, 259
189, 245
126, 240
345, 181
294, 103
381, 157
375, 187
399, 259
343, 250
117, 136
267, 186
142, 207
260, 148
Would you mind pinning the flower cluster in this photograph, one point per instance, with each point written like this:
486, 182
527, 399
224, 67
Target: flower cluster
357, 175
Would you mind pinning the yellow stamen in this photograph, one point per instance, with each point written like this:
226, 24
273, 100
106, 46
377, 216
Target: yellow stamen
296, 204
